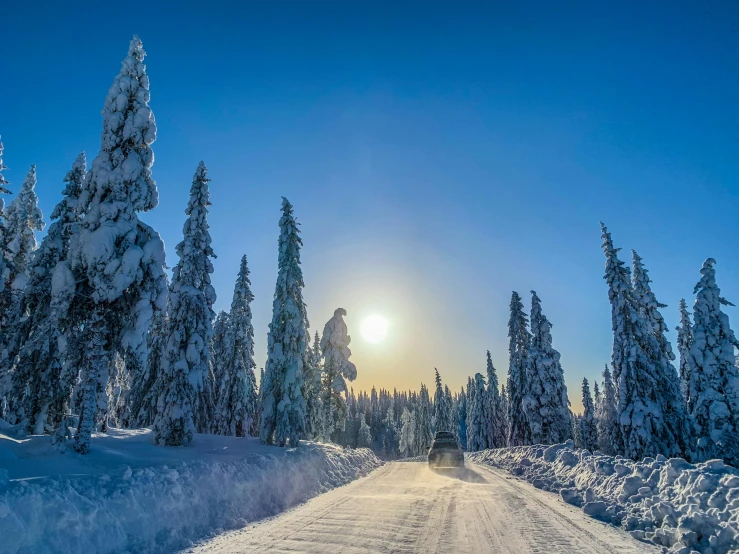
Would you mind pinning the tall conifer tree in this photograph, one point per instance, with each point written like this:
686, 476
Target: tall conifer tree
407, 439
313, 389
118, 261
546, 405
4, 267
283, 404
648, 424
477, 427
606, 416
442, 421
5, 297
504, 411
337, 368
449, 407
41, 386
423, 417
589, 430
187, 404
218, 346
496, 418
145, 391
23, 218
462, 419
673, 404
684, 344
714, 377
238, 406
519, 432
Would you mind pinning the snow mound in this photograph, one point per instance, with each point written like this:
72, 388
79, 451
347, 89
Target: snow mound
129, 495
668, 502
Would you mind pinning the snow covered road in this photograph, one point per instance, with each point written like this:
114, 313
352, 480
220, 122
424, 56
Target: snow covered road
406, 507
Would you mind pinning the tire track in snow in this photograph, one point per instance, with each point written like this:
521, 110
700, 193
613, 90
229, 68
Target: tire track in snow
404, 508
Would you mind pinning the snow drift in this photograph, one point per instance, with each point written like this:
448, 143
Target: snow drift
671, 503
129, 495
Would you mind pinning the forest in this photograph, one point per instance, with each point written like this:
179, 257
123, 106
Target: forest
95, 334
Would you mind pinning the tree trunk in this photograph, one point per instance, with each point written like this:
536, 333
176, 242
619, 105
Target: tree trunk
96, 364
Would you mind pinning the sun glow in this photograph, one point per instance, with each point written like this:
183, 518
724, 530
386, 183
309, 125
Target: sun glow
374, 328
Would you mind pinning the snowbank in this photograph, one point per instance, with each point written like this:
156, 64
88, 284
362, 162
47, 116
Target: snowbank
129, 495
671, 503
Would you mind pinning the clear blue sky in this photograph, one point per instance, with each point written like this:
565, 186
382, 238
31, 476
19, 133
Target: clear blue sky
438, 155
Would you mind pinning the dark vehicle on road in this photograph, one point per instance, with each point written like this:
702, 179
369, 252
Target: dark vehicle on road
445, 452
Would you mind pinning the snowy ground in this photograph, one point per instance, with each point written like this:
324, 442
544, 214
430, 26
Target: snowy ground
406, 507
686, 507
129, 495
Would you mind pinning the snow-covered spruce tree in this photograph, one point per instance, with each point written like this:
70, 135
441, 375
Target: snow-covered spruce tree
237, 393
117, 389
41, 388
186, 405
649, 304
23, 217
4, 254
218, 347
374, 419
596, 395
364, 439
220, 329
684, 344
470, 402
714, 378
4, 292
493, 410
546, 405
462, 419
423, 433
450, 408
312, 382
519, 432
606, 416
390, 433
588, 421
145, 392
407, 433
504, 411
351, 429
674, 409
648, 422
3, 241
576, 422
442, 421
283, 405
336, 369
118, 261
438, 418
477, 429
260, 398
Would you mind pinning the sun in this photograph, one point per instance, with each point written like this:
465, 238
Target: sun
374, 328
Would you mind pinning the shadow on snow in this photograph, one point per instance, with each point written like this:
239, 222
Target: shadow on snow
461, 473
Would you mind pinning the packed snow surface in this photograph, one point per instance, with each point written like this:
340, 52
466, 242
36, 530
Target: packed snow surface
406, 507
129, 495
672, 503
